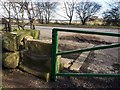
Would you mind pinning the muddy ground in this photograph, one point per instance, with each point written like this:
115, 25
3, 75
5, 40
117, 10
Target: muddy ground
100, 61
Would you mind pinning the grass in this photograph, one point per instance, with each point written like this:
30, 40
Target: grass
76, 26
80, 26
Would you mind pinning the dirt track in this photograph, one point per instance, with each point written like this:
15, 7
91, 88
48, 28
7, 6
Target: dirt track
46, 32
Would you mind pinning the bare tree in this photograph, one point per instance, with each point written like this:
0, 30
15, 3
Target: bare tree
112, 15
16, 11
7, 7
13, 11
86, 9
49, 9
69, 9
30, 9
40, 10
18, 14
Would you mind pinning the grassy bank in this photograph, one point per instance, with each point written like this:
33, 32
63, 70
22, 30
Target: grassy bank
80, 26
75, 26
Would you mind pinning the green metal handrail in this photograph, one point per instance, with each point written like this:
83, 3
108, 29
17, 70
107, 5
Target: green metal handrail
55, 52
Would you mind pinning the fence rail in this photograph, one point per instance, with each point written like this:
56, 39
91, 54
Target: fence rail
55, 52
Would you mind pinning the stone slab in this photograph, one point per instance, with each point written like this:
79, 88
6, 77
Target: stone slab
66, 62
80, 60
76, 66
41, 47
38, 65
43, 75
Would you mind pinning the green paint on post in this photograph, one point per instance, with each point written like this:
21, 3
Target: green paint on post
54, 52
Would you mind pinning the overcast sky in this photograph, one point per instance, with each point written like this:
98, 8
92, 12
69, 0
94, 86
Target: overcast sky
60, 10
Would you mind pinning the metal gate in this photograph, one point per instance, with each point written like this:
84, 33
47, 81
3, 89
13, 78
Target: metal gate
55, 52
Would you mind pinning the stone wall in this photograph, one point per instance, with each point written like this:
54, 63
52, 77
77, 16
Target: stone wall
24, 50
13, 44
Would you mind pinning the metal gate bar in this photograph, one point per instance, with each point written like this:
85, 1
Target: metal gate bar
89, 49
88, 75
55, 53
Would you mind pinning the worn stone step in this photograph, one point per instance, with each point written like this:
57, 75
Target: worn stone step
36, 64
66, 62
44, 75
80, 60
76, 66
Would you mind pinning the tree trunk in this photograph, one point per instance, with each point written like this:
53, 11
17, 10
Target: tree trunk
9, 24
18, 23
70, 21
46, 20
84, 21
32, 26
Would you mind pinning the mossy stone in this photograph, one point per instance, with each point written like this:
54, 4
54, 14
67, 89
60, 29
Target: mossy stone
9, 41
39, 47
23, 33
34, 33
10, 59
38, 65
43, 75
38, 61
13, 41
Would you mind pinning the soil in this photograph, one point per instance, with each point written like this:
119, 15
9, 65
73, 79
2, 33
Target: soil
100, 61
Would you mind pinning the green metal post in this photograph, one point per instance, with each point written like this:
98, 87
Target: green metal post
54, 52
